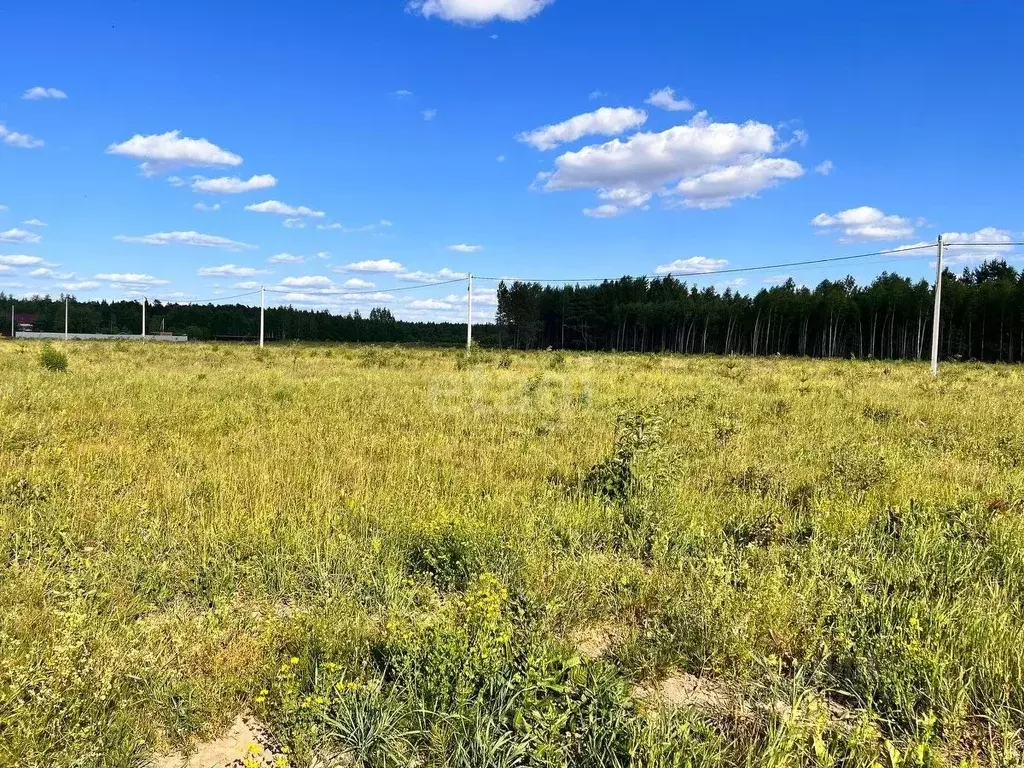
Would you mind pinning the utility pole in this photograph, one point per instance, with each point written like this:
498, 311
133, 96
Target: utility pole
12, 321
143, 317
263, 295
66, 318
469, 317
937, 317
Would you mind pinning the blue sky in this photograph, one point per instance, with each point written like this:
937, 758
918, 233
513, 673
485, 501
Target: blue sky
392, 132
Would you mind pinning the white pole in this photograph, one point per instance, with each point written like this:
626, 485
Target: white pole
262, 303
12, 321
469, 317
143, 317
65, 318
937, 317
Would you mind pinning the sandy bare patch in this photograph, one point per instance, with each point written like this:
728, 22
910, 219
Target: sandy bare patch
595, 642
245, 738
682, 689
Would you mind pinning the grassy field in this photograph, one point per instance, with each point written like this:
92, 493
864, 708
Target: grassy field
400, 556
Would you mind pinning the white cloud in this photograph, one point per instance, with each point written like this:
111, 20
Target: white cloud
283, 209
84, 285
775, 279
402, 93
207, 208
710, 164
357, 283
307, 281
337, 225
323, 254
286, 258
176, 181
377, 265
718, 188
441, 275
606, 121
41, 272
430, 304
378, 296
825, 167
646, 160
465, 248
595, 95
20, 140
232, 185
34, 94
800, 136
429, 114
864, 223
695, 265
666, 99
975, 247
230, 270
500, 158
248, 285
19, 260
293, 224
169, 150
196, 239
16, 235
606, 211
35, 223
479, 11
130, 278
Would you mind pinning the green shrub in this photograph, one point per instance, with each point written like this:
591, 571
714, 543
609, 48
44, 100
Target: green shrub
53, 359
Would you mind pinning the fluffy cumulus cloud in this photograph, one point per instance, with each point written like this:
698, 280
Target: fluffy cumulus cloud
308, 281
864, 223
617, 202
159, 152
16, 235
442, 275
20, 260
666, 99
383, 266
207, 208
465, 248
46, 272
961, 248
248, 285
195, 239
37, 93
718, 188
232, 185
20, 140
478, 11
707, 164
230, 270
283, 209
134, 279
606, 121
286, 258
695, 265
35, 223
356, 283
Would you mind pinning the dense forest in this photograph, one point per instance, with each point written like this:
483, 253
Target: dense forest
982, 318
235, 322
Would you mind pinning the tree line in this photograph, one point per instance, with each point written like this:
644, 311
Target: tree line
235, 322
982, 317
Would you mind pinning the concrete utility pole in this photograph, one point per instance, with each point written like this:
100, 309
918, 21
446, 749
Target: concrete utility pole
937, 317
66, 318
262, 305
469, 317
12, 321
143, 317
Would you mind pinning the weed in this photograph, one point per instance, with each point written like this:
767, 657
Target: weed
53, 359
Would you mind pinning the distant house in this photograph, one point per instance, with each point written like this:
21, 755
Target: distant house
23, 322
